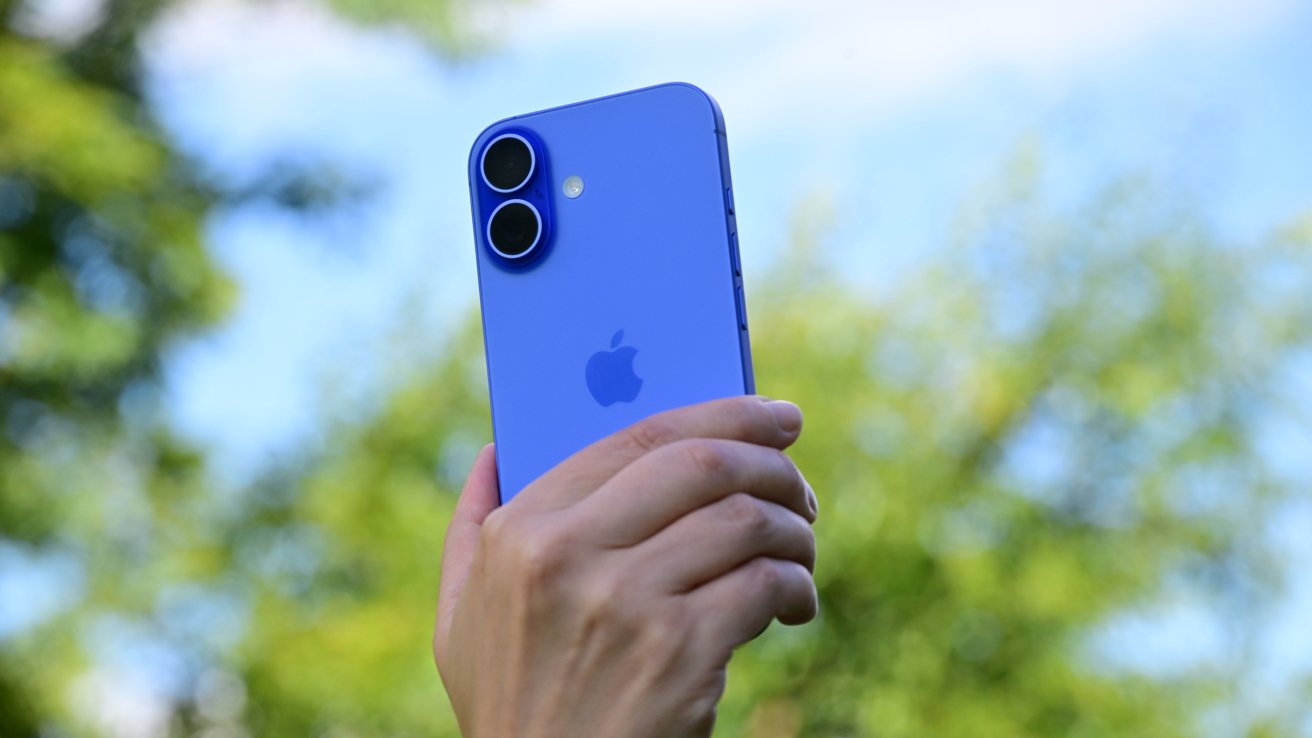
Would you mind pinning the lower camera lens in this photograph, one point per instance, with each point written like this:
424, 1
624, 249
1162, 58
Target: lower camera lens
514, 229
508, 163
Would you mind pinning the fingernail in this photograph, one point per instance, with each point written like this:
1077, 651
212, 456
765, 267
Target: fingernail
812, 501
786, 414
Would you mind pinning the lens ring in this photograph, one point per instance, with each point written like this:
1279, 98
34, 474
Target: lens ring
532, 162
537, 236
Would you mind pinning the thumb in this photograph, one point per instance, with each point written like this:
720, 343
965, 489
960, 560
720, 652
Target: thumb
479, 498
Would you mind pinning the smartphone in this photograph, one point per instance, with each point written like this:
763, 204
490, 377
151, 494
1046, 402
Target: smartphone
608, 270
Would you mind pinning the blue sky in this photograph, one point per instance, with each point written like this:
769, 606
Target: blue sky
889, 114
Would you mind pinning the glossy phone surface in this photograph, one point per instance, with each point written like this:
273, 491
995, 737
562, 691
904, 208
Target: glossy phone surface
631, 300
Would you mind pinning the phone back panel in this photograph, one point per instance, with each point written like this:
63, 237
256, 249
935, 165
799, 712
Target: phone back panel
646, 255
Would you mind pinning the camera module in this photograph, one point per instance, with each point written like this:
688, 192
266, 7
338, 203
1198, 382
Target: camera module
514, 229
508, 162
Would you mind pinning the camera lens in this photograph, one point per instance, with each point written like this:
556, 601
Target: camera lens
508, 163
514, 229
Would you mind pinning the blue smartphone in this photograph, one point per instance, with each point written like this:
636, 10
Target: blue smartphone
608, 270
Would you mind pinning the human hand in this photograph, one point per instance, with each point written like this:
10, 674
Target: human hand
607, 598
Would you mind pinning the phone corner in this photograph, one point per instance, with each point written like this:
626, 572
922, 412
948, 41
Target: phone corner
703, 98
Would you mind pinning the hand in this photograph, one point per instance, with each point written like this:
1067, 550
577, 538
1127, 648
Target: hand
606, 599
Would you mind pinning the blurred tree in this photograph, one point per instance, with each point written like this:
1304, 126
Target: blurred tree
1054, 422
102, 268
1045, 427
101, 265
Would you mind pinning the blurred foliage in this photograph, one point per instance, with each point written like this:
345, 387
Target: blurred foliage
453, 26
1121, 350
101, 266
102, 269
1048, 424
1035, 433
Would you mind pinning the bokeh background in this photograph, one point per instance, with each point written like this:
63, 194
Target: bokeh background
1039, 273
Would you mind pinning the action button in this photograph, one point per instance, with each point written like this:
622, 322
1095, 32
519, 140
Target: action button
728, 199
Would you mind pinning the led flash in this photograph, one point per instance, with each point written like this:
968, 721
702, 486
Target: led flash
573, 186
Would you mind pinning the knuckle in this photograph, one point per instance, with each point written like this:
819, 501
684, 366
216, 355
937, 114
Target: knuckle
808, 603
540, 557
649, 434
533, 550
496, 523
600, 603
811, 551
766, 575
746, 513
497, 529
753, 414
663, 639
708, 457
742, 415
786, 466
789, 469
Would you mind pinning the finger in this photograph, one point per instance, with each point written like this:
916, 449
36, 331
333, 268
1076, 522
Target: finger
676, 479
478, 499
738, 606
751, 418
712, 541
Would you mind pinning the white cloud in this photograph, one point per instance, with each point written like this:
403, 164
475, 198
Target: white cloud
772, 61
848, 57
242, 82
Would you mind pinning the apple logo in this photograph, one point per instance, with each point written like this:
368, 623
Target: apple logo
610, 374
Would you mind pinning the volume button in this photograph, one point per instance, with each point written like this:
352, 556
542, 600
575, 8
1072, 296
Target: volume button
728, 200
742, 306
733, 255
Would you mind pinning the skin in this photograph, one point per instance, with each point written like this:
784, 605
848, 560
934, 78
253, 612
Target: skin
608, 597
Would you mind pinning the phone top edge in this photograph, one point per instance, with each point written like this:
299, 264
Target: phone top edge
717, 114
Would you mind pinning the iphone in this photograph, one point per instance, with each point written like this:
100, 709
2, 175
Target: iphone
608, 270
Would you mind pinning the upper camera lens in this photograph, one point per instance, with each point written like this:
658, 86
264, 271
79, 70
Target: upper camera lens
514, 229
507, 163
